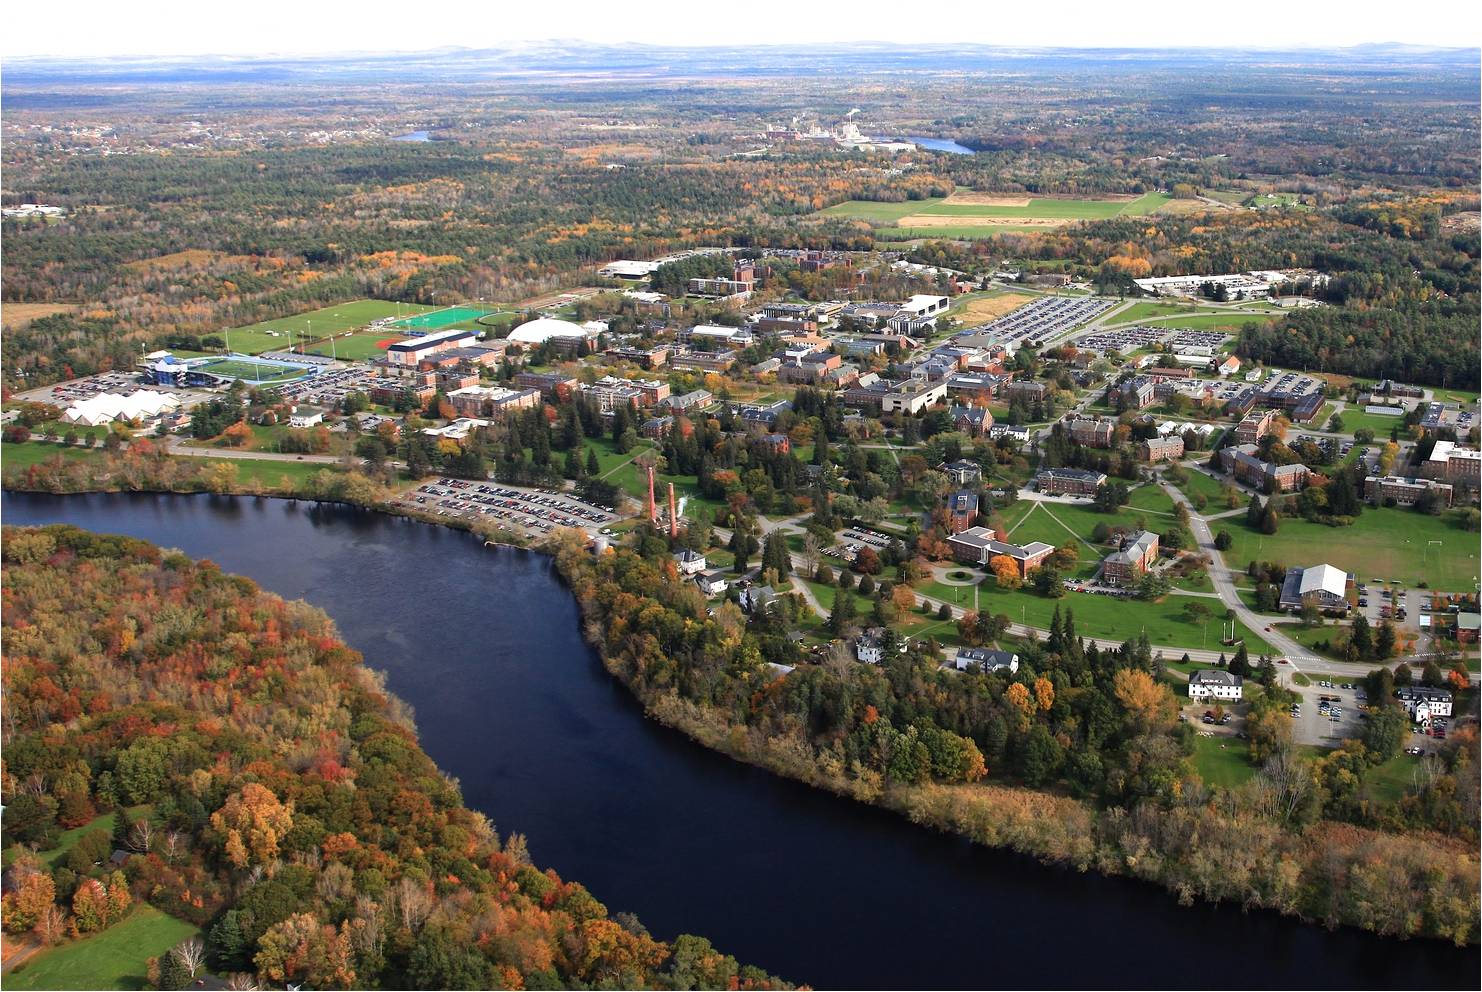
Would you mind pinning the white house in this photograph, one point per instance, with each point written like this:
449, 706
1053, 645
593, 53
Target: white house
712, 583
868, 649
690, 562
306, 416
1424, 703
986, 660
1212, 683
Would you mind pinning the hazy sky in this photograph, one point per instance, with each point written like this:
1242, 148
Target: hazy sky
189, 27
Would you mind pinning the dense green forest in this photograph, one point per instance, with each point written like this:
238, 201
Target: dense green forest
288, 810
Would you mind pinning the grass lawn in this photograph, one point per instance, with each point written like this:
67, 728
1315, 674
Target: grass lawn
273, 335
1214, 322
1152, 498
29, 453
1111, 618
53, 856
270, 473
1212, 489
1145, 311
112, 959
1390, 781
1354, 417
1223, 761
1382, 543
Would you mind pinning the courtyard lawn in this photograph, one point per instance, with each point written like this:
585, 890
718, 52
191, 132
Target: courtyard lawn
1381, 543
1151, 498
1210, 488
273, 335
1223, 761
112, 959
1355, 417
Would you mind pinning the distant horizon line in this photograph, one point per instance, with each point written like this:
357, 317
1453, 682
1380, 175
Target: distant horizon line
267, 55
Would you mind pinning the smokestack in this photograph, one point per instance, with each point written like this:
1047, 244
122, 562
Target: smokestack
673, 516
653, 510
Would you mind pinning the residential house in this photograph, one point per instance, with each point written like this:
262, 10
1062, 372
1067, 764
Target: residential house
690, 562
985, 660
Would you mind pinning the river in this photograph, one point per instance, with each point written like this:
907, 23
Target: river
940, 145
509, 699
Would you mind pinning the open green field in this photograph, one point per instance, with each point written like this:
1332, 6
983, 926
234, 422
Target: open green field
1231, 322
270, 473
438, 320
1111, 618
1382, 543
1149, 311
112, 959
1151, 498
1223, 761
30, 453
877, 212
273, 335
981, 220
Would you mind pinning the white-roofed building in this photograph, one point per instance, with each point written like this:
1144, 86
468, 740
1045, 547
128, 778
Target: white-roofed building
144, 404
543, 329
1323, 586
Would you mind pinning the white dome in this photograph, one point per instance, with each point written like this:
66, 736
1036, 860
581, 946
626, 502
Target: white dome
541, 330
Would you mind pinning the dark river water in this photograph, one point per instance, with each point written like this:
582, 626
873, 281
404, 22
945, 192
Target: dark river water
484, 644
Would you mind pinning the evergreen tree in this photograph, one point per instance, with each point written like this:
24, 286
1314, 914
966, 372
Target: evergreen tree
594, 467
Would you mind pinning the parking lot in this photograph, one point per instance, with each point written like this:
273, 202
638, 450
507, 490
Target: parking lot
1043, 318
331, 386
1198, 339
1123, 340
522, 510
1330, 712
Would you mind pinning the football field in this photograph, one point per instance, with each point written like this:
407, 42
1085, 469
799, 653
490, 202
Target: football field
275, 335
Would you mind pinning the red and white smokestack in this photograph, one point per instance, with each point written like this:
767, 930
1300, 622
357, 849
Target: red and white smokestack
653, 509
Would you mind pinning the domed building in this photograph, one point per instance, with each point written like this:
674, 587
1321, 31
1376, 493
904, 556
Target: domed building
543, 329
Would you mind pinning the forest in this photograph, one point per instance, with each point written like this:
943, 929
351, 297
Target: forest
280, 800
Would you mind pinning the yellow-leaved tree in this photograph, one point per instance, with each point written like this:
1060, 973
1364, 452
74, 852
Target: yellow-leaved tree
250, 824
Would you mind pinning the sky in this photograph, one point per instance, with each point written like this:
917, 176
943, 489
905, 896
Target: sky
93, 28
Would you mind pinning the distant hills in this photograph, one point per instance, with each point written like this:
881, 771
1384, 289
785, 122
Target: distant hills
557, 59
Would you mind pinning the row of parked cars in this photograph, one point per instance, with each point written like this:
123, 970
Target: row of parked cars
540, 510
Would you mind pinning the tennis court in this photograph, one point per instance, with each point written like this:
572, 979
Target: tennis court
437, 320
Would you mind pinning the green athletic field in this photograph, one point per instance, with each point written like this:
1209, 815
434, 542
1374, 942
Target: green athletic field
1382, 544
357, 347
273, 335
437, 320
251, 371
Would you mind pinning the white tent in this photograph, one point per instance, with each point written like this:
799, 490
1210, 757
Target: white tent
107, 407
541, 330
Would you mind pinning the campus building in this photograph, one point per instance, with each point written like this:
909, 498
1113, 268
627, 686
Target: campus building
980, 545
1069, 481
1137, 555
1161, 449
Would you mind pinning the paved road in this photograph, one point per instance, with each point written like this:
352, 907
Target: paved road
174, 446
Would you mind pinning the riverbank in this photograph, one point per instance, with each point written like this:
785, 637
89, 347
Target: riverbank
1240, 860
1206, 847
